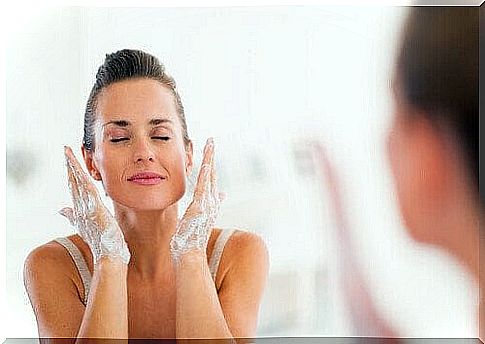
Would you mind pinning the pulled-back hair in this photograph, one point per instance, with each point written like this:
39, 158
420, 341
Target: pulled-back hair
123, 65
437, 71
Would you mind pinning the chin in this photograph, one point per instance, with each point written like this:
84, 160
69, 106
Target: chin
418, 226
146, 202
144, 206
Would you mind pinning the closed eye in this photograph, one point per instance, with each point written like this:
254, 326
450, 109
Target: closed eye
163, 138
119, 139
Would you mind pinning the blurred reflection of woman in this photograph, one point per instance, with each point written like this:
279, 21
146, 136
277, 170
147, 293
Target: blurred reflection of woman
433, 144
433, 151
143, 273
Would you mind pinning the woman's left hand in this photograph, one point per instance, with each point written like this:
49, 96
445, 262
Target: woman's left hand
194, 228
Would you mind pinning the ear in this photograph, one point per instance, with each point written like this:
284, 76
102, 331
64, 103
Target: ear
90, 164
189, 158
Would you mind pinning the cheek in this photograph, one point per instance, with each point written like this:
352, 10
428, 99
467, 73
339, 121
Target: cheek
111, 169
406, 164
177, 172
400, 158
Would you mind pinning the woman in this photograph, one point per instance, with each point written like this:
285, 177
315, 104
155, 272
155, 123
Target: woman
433, 144
143, 273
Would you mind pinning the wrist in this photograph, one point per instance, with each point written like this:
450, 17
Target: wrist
110, 264
192, 258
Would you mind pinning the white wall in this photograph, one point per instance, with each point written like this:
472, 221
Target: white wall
261, 81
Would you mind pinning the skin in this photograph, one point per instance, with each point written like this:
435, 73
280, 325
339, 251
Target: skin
151, 297
438, 201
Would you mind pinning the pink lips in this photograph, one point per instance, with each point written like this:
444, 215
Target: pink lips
146, 178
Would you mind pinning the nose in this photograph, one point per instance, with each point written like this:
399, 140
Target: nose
141, 159
143, 152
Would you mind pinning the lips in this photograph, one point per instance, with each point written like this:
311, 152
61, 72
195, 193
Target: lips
146, 178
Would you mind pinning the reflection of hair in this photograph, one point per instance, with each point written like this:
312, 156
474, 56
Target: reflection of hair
437, 71
122, 65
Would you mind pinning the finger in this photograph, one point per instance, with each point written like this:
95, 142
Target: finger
73, 168
81, 176
75, 180
73, 187
208, 146
203, 180
213, 177
201, 188
86, 189
72, 181
74, 163
68, 213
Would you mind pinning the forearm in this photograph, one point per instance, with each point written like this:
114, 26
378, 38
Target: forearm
106, 314
199, 313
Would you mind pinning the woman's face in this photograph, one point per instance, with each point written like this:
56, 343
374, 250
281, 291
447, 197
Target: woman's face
139, 152
417, 162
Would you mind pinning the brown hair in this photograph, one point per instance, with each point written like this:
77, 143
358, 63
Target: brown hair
122, 65
437, 71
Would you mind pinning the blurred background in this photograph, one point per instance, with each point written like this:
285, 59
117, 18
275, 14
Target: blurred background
264, 82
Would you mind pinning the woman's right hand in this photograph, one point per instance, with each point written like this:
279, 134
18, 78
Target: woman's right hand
365, 316
89, 215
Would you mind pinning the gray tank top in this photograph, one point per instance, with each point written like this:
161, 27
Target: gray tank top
85, 275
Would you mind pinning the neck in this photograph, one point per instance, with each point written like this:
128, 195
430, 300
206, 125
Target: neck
465, 242
465, 245
148, 235
460, 234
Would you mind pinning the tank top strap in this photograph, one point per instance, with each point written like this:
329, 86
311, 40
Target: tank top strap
217, 251
80, 263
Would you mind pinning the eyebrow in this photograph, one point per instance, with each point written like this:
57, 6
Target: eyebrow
157, 121
121, 123
124, 123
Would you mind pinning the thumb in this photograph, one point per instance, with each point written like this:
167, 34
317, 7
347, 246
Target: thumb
68, 213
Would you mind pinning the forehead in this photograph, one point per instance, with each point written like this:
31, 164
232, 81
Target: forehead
136, 100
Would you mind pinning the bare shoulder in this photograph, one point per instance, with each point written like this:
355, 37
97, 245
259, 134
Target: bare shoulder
51, 254
47, 264
53, 287
245, 253
244, 242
